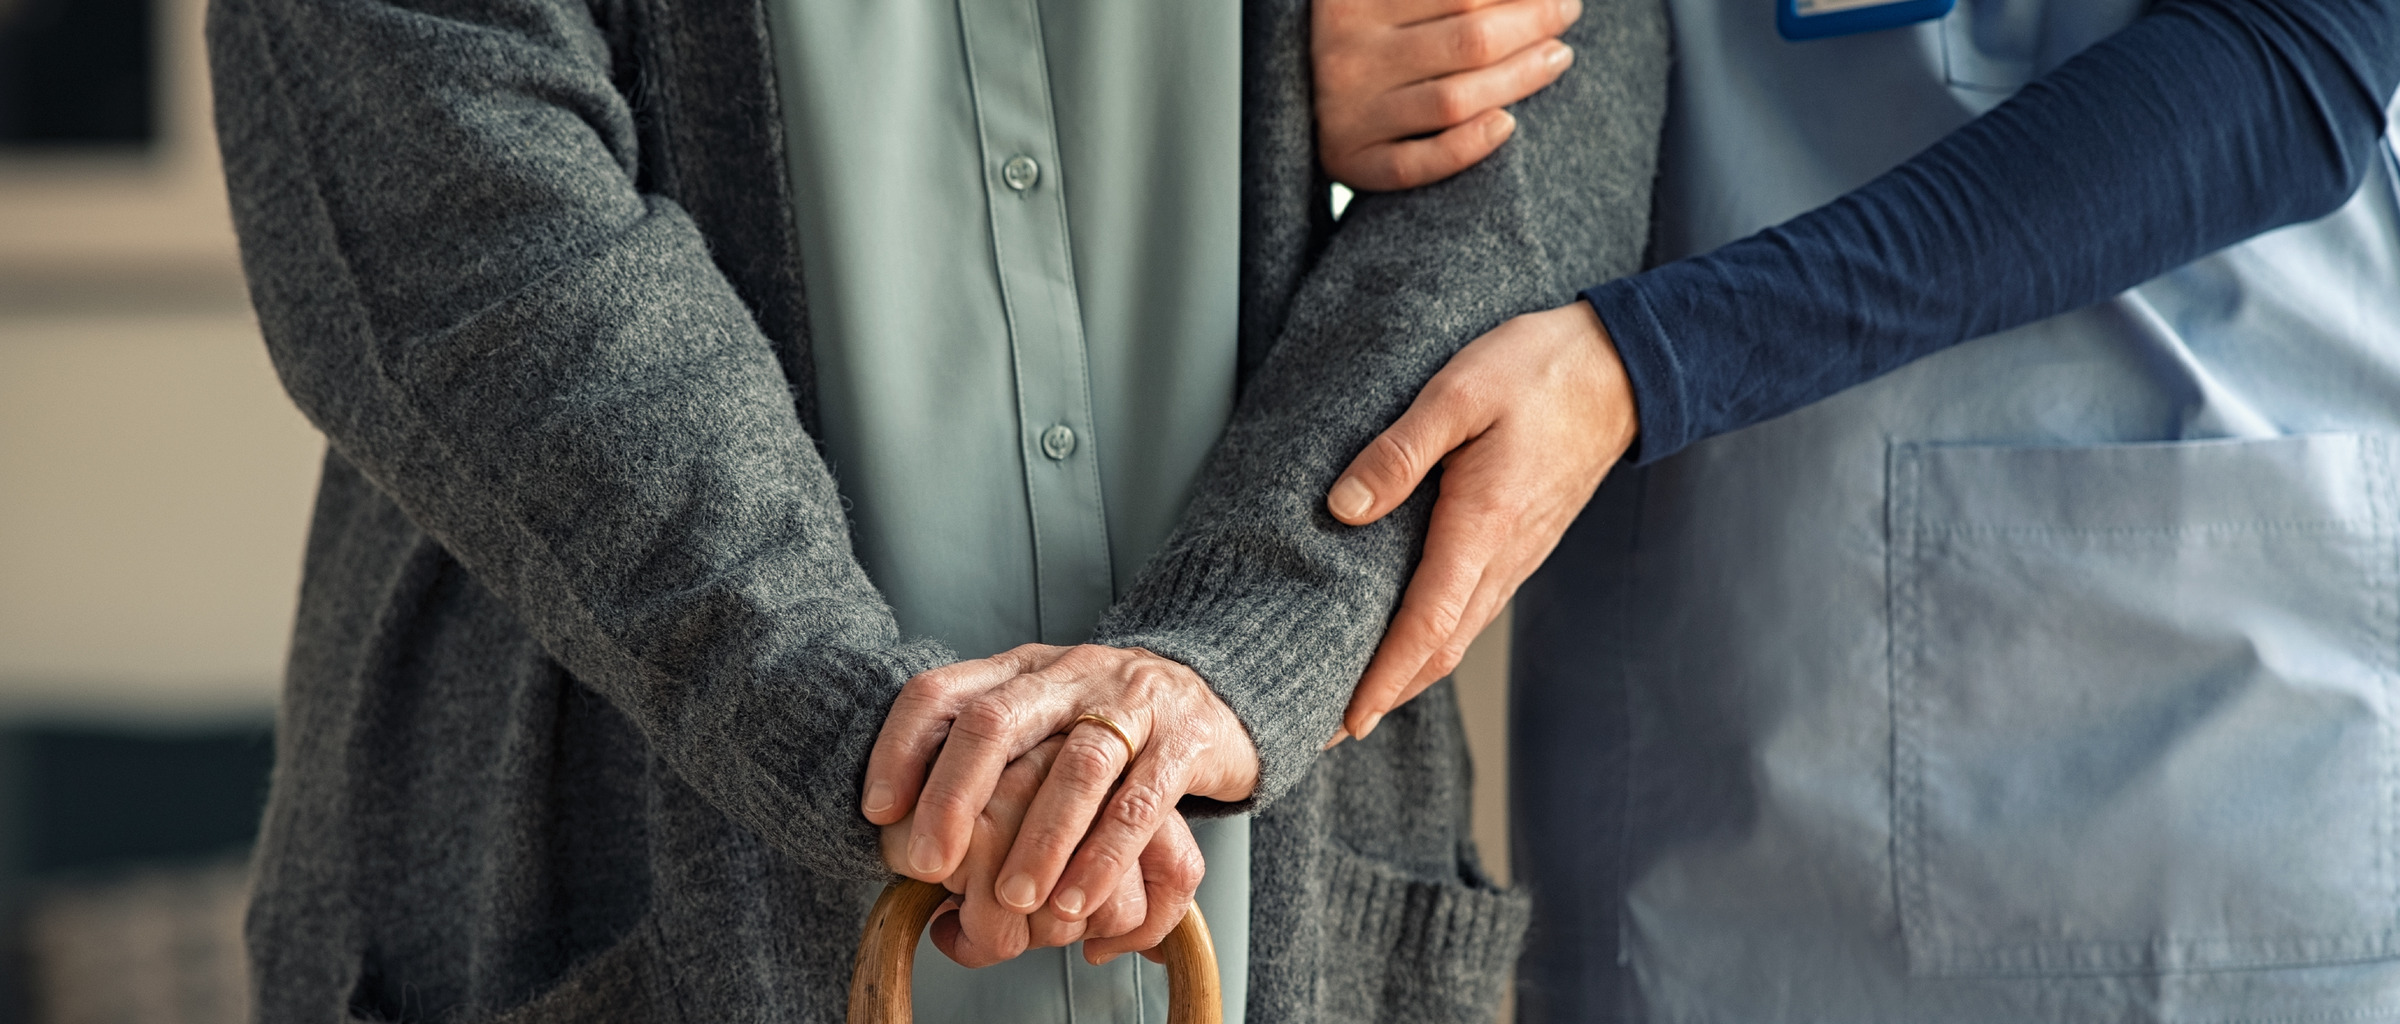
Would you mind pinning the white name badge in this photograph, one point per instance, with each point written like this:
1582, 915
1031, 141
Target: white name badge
1816, 19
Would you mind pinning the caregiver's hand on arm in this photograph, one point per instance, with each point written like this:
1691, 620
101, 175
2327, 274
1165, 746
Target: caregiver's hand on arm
954, 732
1409, 91
1524, 422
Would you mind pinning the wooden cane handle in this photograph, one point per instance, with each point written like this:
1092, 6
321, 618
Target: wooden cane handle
887, 954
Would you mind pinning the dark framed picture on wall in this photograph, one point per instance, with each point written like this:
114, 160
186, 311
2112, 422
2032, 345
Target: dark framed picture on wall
78, 74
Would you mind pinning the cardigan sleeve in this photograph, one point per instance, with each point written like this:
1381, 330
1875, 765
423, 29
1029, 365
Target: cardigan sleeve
463, 288
2201, 124
1275, 603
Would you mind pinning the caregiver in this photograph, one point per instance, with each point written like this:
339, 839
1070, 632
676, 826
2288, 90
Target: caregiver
1993, 606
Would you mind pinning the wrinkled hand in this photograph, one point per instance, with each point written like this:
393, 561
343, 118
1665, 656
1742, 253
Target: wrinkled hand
954, 732
974, 930
1524, 421
1409, 91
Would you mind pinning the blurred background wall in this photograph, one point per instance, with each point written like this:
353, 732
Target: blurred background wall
154, 488
154, 494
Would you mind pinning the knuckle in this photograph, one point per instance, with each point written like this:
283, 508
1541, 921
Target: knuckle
1396, 458
1437, 618
1009, 944
1444, 665
1182, 872
1460, 148
1050, 848
1475, 39
944, 803
1076, 664
1146, 680
1387, 171
1453, 651
1042, 932
932, 689
1138, 804
1103, 864
1453, 392
1473, 389
1062, 933
1017, 785
1127, 916
1087, 761
990, 717
1452, 152
1452, 102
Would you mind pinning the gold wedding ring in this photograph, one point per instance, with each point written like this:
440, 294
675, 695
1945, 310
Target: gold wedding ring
1104, 723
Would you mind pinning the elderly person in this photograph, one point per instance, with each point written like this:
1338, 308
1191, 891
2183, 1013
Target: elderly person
695, 375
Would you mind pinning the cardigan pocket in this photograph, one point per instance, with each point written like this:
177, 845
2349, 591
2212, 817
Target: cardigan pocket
1402, 949
622, 984
2141, 698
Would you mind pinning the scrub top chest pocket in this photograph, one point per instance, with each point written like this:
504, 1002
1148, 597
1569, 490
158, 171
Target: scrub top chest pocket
2141, 701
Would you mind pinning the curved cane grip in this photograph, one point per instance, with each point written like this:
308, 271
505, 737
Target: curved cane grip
887, 954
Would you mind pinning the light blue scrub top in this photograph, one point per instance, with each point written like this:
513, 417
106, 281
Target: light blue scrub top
1020, 227
2049, 678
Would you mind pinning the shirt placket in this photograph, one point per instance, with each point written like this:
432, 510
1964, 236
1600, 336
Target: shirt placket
1023, 185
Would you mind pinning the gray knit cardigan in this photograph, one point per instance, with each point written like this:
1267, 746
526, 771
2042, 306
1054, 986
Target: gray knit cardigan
585, 674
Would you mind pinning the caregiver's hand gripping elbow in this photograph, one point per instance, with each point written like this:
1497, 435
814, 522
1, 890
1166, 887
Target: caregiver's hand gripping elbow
1134, 734
1524, 421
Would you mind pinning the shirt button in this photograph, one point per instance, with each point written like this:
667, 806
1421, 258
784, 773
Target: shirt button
1058, 442
1020, 172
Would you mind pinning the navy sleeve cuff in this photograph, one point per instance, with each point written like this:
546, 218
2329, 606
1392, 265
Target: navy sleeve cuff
1650, 361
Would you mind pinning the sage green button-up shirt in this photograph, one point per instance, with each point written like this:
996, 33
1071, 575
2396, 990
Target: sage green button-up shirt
1020, 223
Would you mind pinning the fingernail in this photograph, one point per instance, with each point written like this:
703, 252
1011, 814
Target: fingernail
924, 855
1017, 891
1368, 729
1498, 128
1569, 10
879, 798
1560, 56
1350, 498
1070, 902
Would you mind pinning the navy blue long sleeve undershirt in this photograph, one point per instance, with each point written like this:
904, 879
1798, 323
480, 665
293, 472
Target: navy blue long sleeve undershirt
2201, 124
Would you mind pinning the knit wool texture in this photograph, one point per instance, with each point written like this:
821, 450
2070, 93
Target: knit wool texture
585, 674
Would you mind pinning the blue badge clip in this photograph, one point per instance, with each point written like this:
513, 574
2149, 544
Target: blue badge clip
1817, 19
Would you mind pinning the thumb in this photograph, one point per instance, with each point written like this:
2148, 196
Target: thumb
1391, 467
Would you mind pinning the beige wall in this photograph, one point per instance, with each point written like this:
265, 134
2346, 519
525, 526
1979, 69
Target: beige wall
154, 489
153, 481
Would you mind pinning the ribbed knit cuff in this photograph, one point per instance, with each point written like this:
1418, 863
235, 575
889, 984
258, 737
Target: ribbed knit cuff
1651, 363
1262, 649
801, 747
